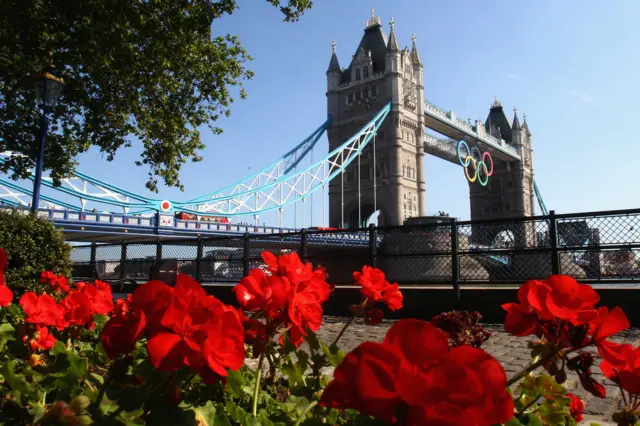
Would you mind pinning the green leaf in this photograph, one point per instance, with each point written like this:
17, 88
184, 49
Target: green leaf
294, 371
7, 333
333, 353
17, 381
531, 420
98, 378
58, 348
235, 383
312, 340
77, 365
296, 404
513, 422
206, 414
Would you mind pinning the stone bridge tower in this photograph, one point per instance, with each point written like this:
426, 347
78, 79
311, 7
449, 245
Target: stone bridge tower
510, 191
379, 72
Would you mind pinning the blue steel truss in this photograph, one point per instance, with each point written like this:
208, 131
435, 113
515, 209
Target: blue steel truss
273, 187
87, 188
543, 207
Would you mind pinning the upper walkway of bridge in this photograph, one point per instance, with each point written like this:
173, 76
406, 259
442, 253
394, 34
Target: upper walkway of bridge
455, 129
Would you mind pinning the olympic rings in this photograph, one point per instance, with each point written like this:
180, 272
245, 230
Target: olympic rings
478, 160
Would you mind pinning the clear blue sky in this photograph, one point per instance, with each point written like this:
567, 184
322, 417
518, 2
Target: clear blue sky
572, 66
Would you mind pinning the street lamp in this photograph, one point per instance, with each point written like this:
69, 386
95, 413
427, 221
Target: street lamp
48, 90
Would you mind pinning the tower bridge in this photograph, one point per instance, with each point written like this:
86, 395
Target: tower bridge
380, 125
394, 176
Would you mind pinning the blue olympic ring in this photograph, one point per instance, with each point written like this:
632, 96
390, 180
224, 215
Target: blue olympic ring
476, 159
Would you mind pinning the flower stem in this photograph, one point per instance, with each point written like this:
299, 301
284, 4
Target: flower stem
304, 413
103, 389
526, 407
624, 398
348, 323
256, 388
530, 368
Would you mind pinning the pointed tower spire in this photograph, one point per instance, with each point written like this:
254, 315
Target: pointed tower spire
525, 126
414, 50
516, 121
392, 45
334, 65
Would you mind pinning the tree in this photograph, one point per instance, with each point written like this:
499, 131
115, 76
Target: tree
145, 69
32, 245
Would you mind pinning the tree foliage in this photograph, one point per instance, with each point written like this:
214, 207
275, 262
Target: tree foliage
33, 245
144, 69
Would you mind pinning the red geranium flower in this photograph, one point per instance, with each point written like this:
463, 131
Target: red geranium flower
77, 308
558, 297
223, 347
99, 295
288, 266
606, 325
254, 291
288, 292
56, 282
4, 261
576, 407
392, 297
123, 329
6, 296
42, 339
624, 368
41, 310
413, 379
376, 288
373, 282
151, 299
191, 328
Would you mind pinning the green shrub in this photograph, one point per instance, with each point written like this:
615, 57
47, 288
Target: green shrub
33, 245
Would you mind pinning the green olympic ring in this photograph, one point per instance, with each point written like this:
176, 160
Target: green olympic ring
476, 159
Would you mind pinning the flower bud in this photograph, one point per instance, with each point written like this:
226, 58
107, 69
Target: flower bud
561, 376
80, 402
84, 420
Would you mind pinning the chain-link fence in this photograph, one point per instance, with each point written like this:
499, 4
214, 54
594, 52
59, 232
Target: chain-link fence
592, 247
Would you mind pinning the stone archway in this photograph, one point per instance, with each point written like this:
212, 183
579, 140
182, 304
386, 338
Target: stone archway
366, 211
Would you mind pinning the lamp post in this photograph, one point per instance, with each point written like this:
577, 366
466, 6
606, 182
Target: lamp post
48, 90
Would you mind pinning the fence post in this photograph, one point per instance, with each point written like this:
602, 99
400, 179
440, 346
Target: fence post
92, 256
303, 244
245, 270
123, 260
199, 260
553, 240
373, 244
455, 258
158, 250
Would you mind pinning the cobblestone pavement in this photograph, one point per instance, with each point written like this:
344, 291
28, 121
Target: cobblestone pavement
511, 351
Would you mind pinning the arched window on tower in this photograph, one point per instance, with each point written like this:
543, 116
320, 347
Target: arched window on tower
357, 74
365, 73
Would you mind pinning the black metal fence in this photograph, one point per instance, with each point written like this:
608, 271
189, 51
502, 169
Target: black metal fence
596, 247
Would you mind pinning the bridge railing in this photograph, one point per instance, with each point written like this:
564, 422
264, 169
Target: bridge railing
162, 221
595, 247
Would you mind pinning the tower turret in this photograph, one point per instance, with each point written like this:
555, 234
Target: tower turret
379, 72
333, 72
